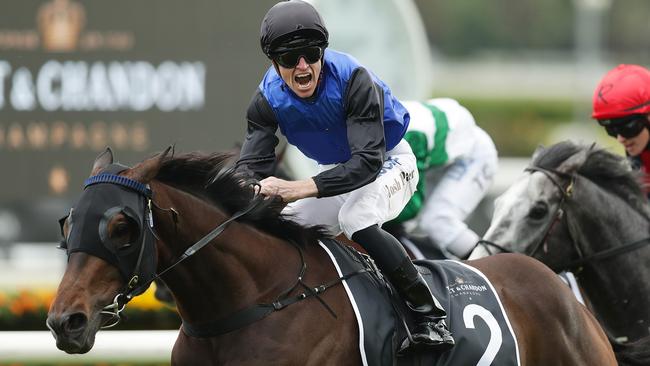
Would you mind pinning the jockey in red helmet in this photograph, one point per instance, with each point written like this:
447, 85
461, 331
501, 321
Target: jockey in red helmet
621, 104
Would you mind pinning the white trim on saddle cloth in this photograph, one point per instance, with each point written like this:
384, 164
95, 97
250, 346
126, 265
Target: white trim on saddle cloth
362, 351
503, 311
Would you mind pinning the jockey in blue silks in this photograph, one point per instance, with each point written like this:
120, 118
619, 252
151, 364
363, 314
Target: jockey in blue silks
340, 114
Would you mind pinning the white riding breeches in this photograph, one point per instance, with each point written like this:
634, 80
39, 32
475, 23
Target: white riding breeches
457, 193
375, 203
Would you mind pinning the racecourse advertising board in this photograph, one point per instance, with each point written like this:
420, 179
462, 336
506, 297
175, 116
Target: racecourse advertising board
77, 76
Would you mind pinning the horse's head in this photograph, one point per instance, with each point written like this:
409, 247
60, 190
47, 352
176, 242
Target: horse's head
531, 210
572, 201
110, 251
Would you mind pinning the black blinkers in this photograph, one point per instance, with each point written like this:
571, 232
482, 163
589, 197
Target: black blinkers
105, 195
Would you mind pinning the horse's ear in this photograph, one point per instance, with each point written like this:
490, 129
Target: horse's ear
538, 150
570, 165
148, 169
102, 161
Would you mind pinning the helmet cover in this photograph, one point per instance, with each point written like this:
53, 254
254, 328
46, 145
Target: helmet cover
290, 25
624, 91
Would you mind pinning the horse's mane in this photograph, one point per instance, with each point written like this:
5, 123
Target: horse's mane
607, 170
211, 178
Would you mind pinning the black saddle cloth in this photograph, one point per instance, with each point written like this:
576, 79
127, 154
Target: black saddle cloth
475, 315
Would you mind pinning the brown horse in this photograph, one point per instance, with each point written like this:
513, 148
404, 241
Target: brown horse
259, 259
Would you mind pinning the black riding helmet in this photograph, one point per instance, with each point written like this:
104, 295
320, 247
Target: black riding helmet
290, 25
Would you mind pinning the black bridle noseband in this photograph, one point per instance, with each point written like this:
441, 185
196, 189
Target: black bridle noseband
567, 193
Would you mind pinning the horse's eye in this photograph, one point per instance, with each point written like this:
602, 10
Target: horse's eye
121, 229
538, 211
122, 233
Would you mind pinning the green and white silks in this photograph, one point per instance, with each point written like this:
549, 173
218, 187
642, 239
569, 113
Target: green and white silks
441, 133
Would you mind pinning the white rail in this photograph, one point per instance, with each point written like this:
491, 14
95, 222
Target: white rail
110, 346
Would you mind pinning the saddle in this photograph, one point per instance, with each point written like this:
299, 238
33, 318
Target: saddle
475, 315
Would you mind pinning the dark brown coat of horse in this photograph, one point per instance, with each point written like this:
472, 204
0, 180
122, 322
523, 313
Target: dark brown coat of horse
252, 261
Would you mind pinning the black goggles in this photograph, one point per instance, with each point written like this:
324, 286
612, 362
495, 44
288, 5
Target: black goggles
290, 59
627, 128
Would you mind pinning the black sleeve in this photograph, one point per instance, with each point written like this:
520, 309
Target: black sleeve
364, 106
257, 157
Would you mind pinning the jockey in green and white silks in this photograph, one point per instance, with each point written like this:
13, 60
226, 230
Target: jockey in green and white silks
444, 135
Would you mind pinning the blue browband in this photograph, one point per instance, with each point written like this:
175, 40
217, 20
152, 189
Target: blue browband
119, 180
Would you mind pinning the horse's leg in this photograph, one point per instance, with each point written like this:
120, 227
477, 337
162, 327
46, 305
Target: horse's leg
551, 326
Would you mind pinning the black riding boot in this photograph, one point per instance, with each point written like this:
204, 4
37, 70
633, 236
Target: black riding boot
431, 329
393, 260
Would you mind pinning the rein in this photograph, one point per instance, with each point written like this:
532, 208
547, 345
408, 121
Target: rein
608, 253
240, 318
558, 215
115, 309
189, 251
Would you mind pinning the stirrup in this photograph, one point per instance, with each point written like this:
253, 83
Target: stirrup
409, 346
433, 335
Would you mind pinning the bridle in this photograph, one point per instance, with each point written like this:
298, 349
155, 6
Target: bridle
240, 318
132, 264
559, 213
125, 296
566, 193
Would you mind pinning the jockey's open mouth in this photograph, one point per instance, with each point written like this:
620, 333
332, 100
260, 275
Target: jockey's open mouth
303, 80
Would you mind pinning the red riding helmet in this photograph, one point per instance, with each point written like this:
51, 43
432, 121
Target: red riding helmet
624, 91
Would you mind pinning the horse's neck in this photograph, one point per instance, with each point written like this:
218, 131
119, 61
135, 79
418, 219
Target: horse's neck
601, 221
233, 271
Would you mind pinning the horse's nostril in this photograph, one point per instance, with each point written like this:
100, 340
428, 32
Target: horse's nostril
75, 323
52, 325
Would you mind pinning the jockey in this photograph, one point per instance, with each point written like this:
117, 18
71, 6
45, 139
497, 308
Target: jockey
445, 138
621, 104
341, 115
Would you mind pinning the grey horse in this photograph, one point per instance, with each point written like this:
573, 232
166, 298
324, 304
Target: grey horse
582, 209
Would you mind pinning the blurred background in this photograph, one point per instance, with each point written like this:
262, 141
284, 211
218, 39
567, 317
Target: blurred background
77, 76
